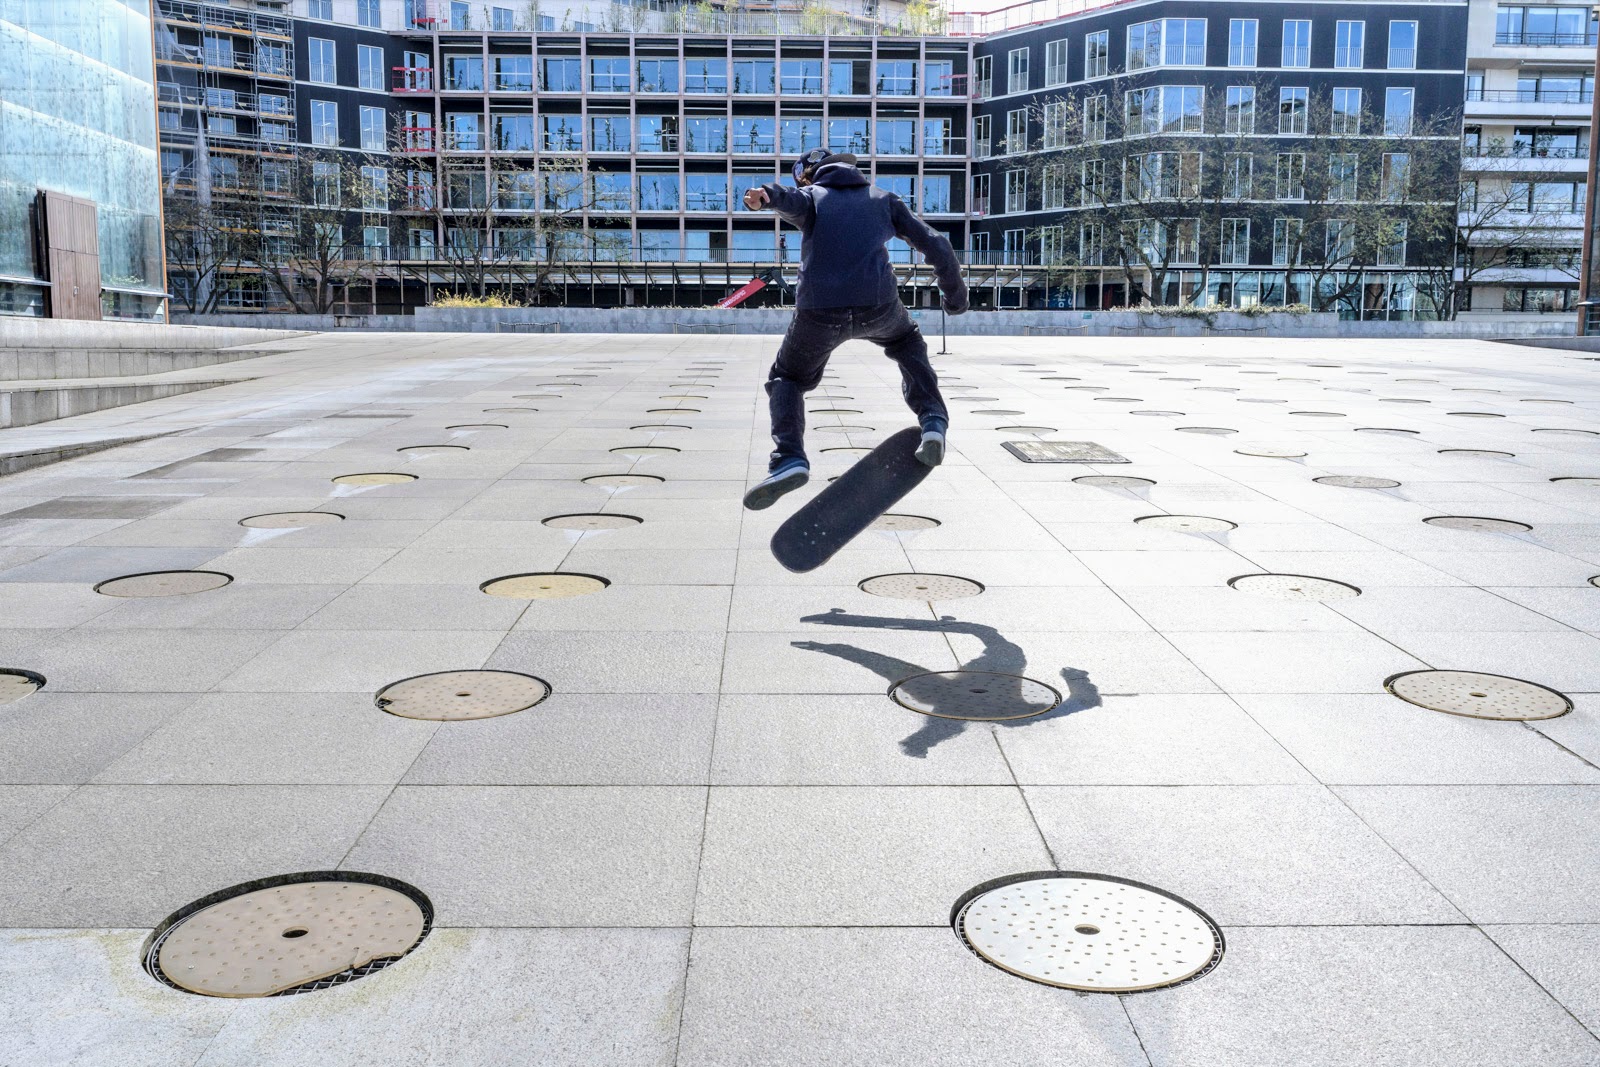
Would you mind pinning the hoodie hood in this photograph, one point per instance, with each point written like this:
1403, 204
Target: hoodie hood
839, 176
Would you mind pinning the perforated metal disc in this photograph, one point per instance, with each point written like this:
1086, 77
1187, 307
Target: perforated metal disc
290, 520
1217, 431
163, 583
922, 586
592, 521
975, 399
1115, 481
1386, 429
645, 450
997, 411
1565, 430
842, 429
1027, 429
1320, 414
449, 696
547, 586
1478, 696
1270, 453
493, 411
1477, 522
375, 479
617, 480
432, 450
1089, 933
657, 427
682, 396
1475, 415
982, 696
903, 523
1481, 452
835, 411
1152, 411
1576, 478
849, 450
272, 941
15, 684
478, 426
1356, 481
1293, 587
1187, 523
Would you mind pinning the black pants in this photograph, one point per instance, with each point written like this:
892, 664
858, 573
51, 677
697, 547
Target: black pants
813, 335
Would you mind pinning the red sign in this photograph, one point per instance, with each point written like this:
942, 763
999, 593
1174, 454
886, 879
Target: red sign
743, 293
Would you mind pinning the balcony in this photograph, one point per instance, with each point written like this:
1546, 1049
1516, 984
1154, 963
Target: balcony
1524, 159
1517, 104
411, 80
1548, 40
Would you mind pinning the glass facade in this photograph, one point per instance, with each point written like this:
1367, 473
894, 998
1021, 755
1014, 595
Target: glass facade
78, 117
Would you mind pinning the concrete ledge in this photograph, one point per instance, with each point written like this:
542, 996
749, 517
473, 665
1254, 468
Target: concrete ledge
26, 407
31, 333
27, 459
31, 364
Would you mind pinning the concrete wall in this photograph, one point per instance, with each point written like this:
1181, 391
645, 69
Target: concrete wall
25, 407
19, 332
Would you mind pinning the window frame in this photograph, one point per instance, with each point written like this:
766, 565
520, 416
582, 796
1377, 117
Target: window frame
1286, 57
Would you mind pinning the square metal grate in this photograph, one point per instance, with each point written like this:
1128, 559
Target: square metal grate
1062, 452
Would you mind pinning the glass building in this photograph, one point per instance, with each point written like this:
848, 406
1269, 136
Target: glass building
80, 187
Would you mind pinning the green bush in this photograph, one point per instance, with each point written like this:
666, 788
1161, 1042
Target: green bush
467, 300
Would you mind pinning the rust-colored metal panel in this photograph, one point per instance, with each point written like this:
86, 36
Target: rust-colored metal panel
72, 254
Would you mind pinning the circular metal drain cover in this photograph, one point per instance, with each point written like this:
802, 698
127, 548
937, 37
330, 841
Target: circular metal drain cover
1385, 429
432, 450
982, 696
493, 411
645, 450
16, 684
835, 411
1270, 453
1088, 932
375, 478
1477, 522
849, 450
1152, 411
1478, 696
290, 520
1187, 523
449, 696
921, 586
1122, 399
306, 932
1214, 430
1475, 414
163, 583
902, 523
1320, 414
1294, 587
591, 521
842, 429
478, 426
682, 396
1576, 478
1561, 429
997, 411
622, 479
657, 426
975, 399
1356, 481
544, 585
1401, 400
1475, 452
1115, 481
671, 411
1027, 429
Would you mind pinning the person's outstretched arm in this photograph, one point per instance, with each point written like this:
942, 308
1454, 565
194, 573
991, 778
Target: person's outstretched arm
792, 205
935, 247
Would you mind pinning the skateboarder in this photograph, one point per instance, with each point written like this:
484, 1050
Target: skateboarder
847, 290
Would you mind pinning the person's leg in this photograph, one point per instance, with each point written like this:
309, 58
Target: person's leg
812, 336
890, 325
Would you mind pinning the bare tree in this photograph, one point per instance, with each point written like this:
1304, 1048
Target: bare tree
212, 248
1502, 227
311, 264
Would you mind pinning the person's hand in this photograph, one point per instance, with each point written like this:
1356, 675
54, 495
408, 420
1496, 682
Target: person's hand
952, 307
755, 199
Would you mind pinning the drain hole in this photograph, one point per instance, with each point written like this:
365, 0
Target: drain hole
296, 931
1085, 928
16, 684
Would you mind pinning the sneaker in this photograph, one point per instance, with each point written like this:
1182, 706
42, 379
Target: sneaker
931, 450
786, 478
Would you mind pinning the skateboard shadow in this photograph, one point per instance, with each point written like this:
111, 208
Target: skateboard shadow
1000, 656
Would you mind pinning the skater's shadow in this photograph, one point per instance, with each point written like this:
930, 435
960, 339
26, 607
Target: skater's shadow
1000, 656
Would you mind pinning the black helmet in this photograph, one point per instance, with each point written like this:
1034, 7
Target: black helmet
807, 164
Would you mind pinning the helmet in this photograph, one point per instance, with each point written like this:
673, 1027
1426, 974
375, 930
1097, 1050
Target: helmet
807, 164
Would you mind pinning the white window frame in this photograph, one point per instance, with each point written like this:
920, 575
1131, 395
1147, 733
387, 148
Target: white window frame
1416, 42
1392, 126
1238, 175
1055, 187
1016, 191
372, 129
370, 13
1097, 54
1234, 250
1055, 124
1349, 44
1339, 240
1383, 258
1017, 70
369, 67
1344, 176
1236, 117
1014, 246
1244, 55
1092, 179
1344, 121
1297, 119
1055, 63
1293, 192
324, 122
982, 137
322, 61
1094, 118
982, 202
1287, 232
1016, 132
1301, 51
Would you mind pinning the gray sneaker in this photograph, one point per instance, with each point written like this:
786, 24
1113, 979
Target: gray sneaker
931, 451
785, 479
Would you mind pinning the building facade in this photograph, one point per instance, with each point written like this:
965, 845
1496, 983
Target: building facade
80, 193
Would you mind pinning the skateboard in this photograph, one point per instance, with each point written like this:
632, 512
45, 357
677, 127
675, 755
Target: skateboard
831, 519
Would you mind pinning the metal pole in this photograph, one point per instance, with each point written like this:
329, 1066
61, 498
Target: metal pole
944, 338
1586, 276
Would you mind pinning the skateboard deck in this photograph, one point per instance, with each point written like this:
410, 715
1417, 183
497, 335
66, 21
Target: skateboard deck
832, 519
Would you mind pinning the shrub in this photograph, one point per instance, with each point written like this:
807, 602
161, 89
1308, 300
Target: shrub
467, 300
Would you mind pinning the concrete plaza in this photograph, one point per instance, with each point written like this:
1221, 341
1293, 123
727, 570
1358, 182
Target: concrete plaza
719, 843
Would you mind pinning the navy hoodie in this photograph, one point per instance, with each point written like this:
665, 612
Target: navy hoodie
845, 223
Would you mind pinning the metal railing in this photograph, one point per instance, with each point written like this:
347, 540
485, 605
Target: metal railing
528, 327
1533, 96
1525, 151
1569, 40
232, 18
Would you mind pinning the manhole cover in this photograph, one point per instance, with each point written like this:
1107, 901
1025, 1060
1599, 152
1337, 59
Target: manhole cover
978, 695
921, 586
546, 586
290, 520
842, 429
1270, 453
374, 479
1385, 429
496, 411
15, 684
1356, 481
618, 480
682, 396
528, 396
1027, 429
1007, 412
1257, 400
1122, 399
432, 450
1575, 478
449, 696
1293, 587
849, 450
1088, 932
1561, 429
644, 450
307, 932
975, 399
1539, 400
1475, 415
1319, 414
1062, 452
1475, 452
1151, 411
1217, 431
1477, 522
671, 411
1115, 481
1478, 696
478, 426
902, 523
1187, 523
834, 411
659, 426
1401, 400
591, 521
163, 583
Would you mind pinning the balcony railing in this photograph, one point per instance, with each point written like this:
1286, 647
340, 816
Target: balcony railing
411, 79
1567, 40
1533, 96
1525, 151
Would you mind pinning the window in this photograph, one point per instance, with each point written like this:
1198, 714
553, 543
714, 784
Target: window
369, 12
706, 192
1094, 119
1093, 188
1097, 54
936, 194
1349, 43
1015, 243
1091, 244
1242, 42
463, 132
938, 138
661, 76
609, 133
756, 135
1291, 176
222, 125
1397, 111
1467, 199
271, 59
1017, 70
513, 74
1055, 64
1292, 109
1342, 168
1544, 25
324, 122
513, 133
608, 74
1163, 175
372, 131
1402, 52
1053, 245
1240, 114
1237, 172
1144, 45
703, 76
1183, 237
503, 18
896, 77
275, 131
1016, 191
848, 135
273, 105
275, 176
1235, 243
1168, 42
613, 191
705, 133
325, 184
323, 68
896, 137
938, 78
464, 73
561, 133
980, 136
369, 67
980, 195
1055, 124
560, 75
983, 76
374, 188
1296, 43
1345, 117
1286, 243
1340, 243
803, 77
1396, 178
798, 135
658, 192
1055, 187
320, 9
755, 77
1164, 109
1016, 132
